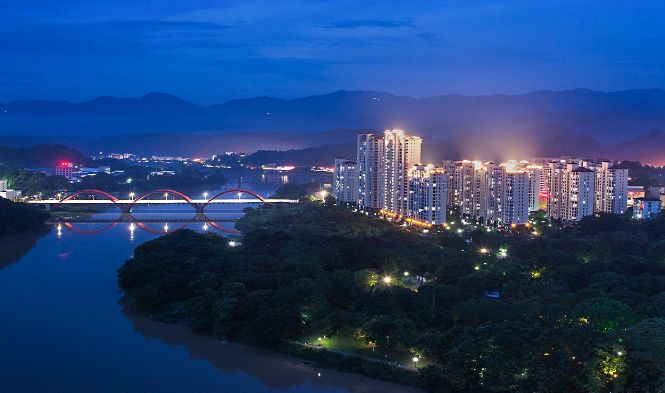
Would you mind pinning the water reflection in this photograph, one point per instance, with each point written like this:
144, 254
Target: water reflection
13, 247
156, 226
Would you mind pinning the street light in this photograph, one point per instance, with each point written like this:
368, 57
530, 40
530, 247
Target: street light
415, 361
131, 196
387, 279
205, 195
239, 195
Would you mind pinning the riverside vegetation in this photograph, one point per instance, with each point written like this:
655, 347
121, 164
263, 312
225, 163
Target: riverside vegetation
574, 310
18, 217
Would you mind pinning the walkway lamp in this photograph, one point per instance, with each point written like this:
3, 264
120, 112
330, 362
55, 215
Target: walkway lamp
415, 361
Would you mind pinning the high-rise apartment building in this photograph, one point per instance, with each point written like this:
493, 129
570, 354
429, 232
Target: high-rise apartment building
427, 188
383, 165
515, 197
370, 170
611, 189
345, 181
572, 192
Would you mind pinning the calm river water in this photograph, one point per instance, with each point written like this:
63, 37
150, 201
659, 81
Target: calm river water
64, 329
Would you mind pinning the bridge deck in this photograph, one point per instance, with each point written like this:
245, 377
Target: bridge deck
155, 201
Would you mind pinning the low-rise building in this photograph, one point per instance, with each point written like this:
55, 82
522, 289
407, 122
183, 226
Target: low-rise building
646, 208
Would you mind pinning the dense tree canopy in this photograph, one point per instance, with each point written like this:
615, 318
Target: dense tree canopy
19, 217
579, 309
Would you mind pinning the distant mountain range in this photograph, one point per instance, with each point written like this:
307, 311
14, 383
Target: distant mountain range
620, 124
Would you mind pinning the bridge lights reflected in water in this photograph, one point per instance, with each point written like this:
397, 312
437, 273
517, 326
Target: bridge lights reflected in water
59, 228
132, 228
166, 227
205, 226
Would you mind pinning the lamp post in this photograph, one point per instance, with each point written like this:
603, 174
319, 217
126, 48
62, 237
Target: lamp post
415, 361
205, 195
131, 196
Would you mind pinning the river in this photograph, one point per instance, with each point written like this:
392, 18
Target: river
64, 327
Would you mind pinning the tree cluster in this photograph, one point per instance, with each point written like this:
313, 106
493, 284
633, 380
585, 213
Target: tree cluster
18, 217
574, 310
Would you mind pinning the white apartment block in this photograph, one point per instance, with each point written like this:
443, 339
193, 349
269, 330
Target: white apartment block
572, 192
345, 181
536, 185
370, 171
383, 163
427, 187
494, 193
515, 197
611, 189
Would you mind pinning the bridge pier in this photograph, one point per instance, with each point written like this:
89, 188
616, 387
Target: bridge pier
200, 207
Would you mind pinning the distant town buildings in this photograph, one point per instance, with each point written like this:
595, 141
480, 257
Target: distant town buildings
65, 169
7, 193
388, 176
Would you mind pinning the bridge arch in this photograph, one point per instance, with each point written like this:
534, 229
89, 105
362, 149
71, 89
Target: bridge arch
234, 191
164, 191
106, 195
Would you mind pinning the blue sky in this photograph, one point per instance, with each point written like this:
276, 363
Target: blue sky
211, 51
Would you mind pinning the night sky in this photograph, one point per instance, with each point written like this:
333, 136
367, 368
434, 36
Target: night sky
211, 51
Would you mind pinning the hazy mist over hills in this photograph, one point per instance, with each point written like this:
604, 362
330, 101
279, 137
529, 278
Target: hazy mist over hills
619, 125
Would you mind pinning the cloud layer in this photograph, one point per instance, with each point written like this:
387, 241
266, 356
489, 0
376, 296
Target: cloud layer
208, 51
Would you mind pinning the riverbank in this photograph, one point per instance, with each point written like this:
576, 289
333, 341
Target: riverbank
276, 370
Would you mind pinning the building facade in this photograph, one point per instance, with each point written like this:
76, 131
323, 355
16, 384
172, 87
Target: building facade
611, 189
646, 208
383, 163
345, 181
572, 192
427, 187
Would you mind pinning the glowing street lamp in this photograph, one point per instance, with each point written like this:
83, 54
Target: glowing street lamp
415, 361
484, 250
131, 196
166, 195
324, 194
239, 195
387, 279
205, 195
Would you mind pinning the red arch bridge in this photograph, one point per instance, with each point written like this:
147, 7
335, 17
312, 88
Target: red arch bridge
158, 197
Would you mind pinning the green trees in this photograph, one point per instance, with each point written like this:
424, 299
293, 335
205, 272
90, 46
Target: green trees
645, 346
19, 217
590, 320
